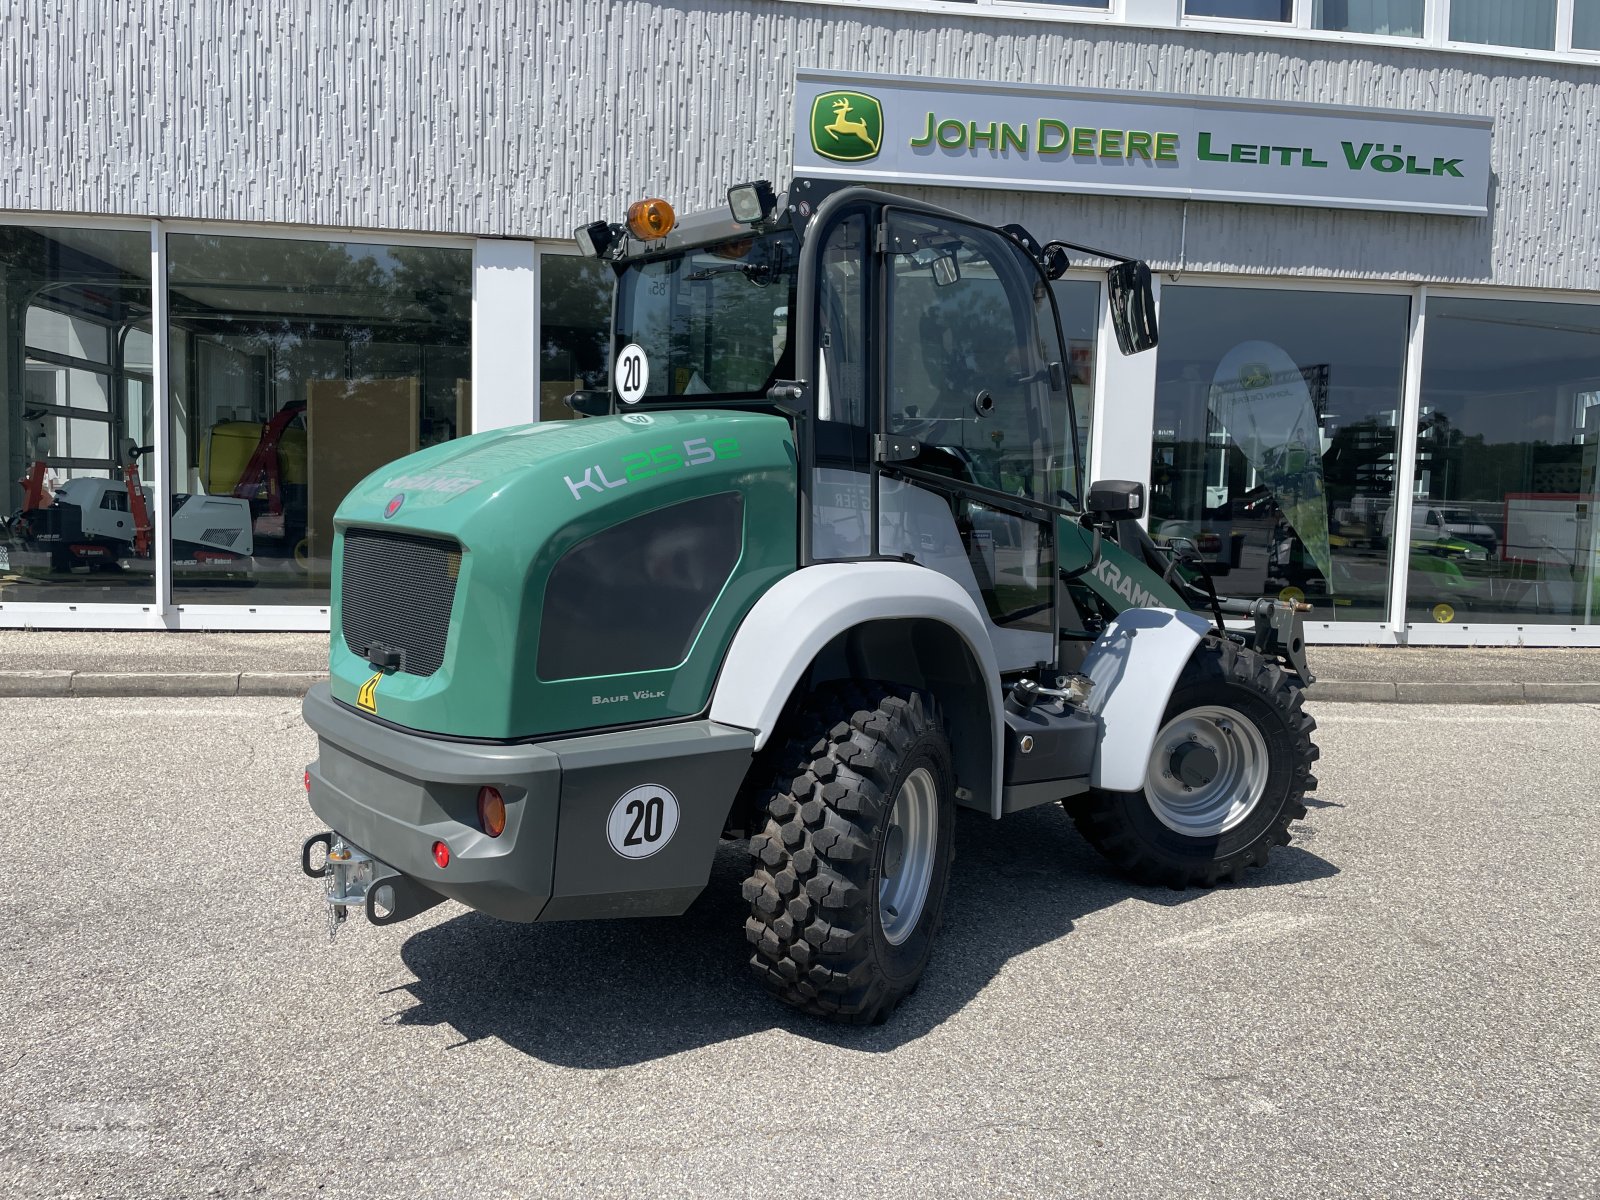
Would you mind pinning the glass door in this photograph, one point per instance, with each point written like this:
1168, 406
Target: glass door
974, 376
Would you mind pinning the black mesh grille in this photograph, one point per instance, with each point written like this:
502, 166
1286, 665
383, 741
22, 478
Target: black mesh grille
396, 590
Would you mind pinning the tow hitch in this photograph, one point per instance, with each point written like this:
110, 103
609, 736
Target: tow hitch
352, 878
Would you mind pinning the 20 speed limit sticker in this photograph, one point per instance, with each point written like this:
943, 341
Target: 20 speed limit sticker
631, 373
642, 821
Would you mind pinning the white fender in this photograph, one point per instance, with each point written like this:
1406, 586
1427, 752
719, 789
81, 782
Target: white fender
1135, 664
802, 613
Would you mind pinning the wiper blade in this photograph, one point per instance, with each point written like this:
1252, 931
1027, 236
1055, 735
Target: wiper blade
757, 273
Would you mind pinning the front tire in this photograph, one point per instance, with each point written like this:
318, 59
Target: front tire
849, 873
1228, 772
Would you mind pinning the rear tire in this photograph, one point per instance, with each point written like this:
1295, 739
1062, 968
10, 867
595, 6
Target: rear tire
848, 874
1228, 773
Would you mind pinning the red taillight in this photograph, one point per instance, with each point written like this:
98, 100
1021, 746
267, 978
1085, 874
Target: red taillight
491, 811
441, 855
308, 779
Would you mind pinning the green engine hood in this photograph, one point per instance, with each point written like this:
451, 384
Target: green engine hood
516, 500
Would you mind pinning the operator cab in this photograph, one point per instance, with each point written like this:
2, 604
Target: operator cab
920, 355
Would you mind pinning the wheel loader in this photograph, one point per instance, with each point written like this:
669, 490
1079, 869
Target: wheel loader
817, 568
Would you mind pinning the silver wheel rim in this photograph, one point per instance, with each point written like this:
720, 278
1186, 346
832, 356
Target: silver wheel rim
908, 852
1198, 807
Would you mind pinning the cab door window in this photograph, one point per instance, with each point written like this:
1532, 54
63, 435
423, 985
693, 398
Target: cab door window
974, 376
842, 324
841, 485
972, 341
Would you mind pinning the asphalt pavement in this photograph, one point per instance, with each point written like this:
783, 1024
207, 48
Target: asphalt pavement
1404, 1003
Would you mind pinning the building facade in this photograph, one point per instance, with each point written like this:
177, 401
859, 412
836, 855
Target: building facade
251, 253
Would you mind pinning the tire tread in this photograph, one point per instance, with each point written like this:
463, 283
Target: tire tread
1101, 816
811, 908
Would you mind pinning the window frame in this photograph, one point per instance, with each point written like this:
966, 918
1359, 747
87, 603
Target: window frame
1435, 19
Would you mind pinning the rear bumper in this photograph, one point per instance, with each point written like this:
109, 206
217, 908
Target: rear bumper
394, 794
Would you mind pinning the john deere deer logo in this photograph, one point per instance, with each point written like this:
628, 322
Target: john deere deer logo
1254, 375
847, 126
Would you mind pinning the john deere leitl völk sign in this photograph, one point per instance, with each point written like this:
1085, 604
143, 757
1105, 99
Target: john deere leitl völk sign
967, 134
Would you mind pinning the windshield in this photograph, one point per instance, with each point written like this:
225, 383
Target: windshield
712, 320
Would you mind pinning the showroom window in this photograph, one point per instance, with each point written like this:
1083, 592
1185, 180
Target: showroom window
574, 329
297, 368
1506, 480
78, 510
1530, 24
1391, 18
1558, 27
1078, 302
1241, 10
1586, 24
1274, 450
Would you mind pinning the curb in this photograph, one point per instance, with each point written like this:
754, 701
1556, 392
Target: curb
297, 683
157, 683
1455, 692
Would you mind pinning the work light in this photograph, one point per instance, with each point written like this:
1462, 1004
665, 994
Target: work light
595, 238
752, 203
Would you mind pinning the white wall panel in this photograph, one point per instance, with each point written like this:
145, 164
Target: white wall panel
505, 311
492, 118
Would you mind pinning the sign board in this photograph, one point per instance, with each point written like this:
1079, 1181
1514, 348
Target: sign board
955, 133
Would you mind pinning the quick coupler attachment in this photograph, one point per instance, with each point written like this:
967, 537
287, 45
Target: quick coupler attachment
352, 878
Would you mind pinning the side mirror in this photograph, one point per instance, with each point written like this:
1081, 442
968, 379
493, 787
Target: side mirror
1133, 306
1115, 500
589, 404
941, 260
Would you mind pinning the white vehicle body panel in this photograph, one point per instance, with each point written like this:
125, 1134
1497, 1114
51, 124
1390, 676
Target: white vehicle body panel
1135, 664
800, 615
213, 522
216, 522
99, 518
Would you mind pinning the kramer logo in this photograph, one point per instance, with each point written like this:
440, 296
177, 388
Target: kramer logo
394, 506
1124, 586
846, 126
367, 697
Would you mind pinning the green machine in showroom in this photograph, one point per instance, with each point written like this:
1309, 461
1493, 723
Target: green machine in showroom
818, 569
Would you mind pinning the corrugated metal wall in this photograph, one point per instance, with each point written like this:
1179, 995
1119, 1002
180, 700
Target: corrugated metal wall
493, 117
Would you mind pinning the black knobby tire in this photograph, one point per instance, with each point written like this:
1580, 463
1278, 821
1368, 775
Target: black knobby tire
818, 861
1124, 826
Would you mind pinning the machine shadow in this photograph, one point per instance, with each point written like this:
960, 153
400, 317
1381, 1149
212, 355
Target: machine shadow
599, 994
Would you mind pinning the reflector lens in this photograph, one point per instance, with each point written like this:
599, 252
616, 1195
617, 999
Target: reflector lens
308, 779
441, 854
649, 220
491, 811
